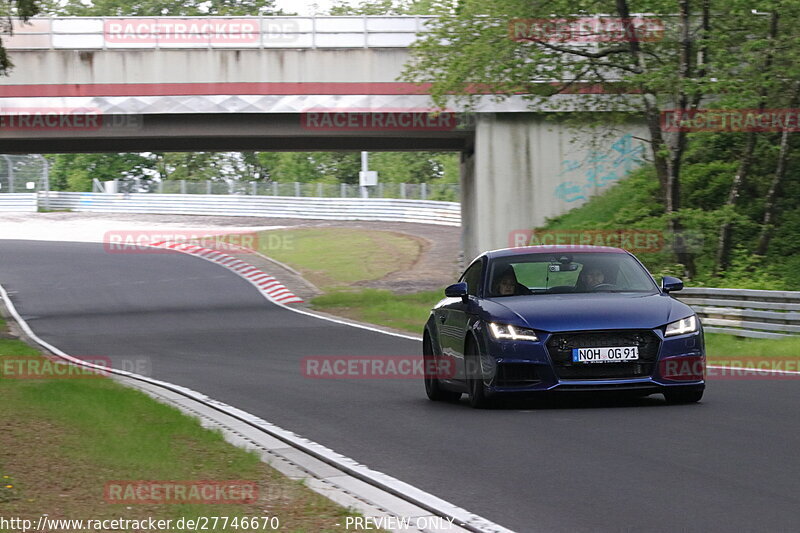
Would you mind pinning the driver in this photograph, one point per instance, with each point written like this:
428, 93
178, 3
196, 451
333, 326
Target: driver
594, 277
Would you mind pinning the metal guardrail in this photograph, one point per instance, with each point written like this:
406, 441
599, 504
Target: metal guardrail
377, 209
259, 32
447, 192
18, 203
745, 312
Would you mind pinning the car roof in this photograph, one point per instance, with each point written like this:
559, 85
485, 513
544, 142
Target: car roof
552, 249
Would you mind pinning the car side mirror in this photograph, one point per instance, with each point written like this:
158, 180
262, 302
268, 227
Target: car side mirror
670, 284
457, 290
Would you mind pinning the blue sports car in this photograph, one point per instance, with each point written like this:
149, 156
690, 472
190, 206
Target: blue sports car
562, 318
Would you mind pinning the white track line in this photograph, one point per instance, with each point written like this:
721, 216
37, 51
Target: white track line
385, 482
748, 369
265, 282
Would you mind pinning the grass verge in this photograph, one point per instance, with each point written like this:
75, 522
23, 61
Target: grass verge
721, 347
333, 258
407, 312
63, 440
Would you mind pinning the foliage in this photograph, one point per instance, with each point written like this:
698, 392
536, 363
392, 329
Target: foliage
633, 203
154, 8
343, 167
384, 7
727, 53
74, 172
22, 9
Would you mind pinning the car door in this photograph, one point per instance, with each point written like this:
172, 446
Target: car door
453, 318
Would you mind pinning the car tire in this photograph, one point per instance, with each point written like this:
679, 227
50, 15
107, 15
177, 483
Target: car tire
681, 395
433, 388
478, 398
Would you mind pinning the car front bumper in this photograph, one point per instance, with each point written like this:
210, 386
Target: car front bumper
520, 367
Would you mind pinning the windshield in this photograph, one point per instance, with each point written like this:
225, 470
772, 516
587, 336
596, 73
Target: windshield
579, 272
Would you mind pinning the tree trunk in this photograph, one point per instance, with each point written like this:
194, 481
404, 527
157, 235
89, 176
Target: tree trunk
724, 243
777, 179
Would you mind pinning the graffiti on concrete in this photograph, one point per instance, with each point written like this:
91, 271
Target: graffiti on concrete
598, 169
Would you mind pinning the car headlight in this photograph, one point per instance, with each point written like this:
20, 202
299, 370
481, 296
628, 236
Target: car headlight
681, 327
514, 333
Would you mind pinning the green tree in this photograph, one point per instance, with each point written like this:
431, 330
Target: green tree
489, 47
9, 10
762, 71
75, 172
155, 8
384, 7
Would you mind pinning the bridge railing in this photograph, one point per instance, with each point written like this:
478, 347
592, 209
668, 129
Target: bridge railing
96, 33
745, 312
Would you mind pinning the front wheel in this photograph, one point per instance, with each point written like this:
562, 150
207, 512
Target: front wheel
433, 388
478, 398
681, 395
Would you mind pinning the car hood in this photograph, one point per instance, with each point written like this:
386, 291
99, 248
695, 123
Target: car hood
574, 312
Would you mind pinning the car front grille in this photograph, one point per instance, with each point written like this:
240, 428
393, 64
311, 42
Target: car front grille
560, 346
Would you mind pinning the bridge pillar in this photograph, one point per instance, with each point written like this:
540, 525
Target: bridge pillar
525, 169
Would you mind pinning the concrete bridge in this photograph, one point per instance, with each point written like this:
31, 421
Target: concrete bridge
293, 83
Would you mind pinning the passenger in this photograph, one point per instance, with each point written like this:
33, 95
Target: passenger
506, 284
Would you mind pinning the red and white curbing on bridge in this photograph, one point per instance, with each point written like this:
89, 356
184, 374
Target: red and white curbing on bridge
274, 290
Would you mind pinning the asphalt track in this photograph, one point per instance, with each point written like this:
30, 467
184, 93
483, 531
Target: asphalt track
729, 463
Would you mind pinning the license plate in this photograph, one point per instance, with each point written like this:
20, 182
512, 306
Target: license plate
605, 355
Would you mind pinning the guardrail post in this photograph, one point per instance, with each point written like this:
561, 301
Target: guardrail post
183, 186
423, 191
253, 188
319, 190
297, 188
403, 191
208, 187
343, 190
46, 178
160, 189
10, 173
274, 188
380, 190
